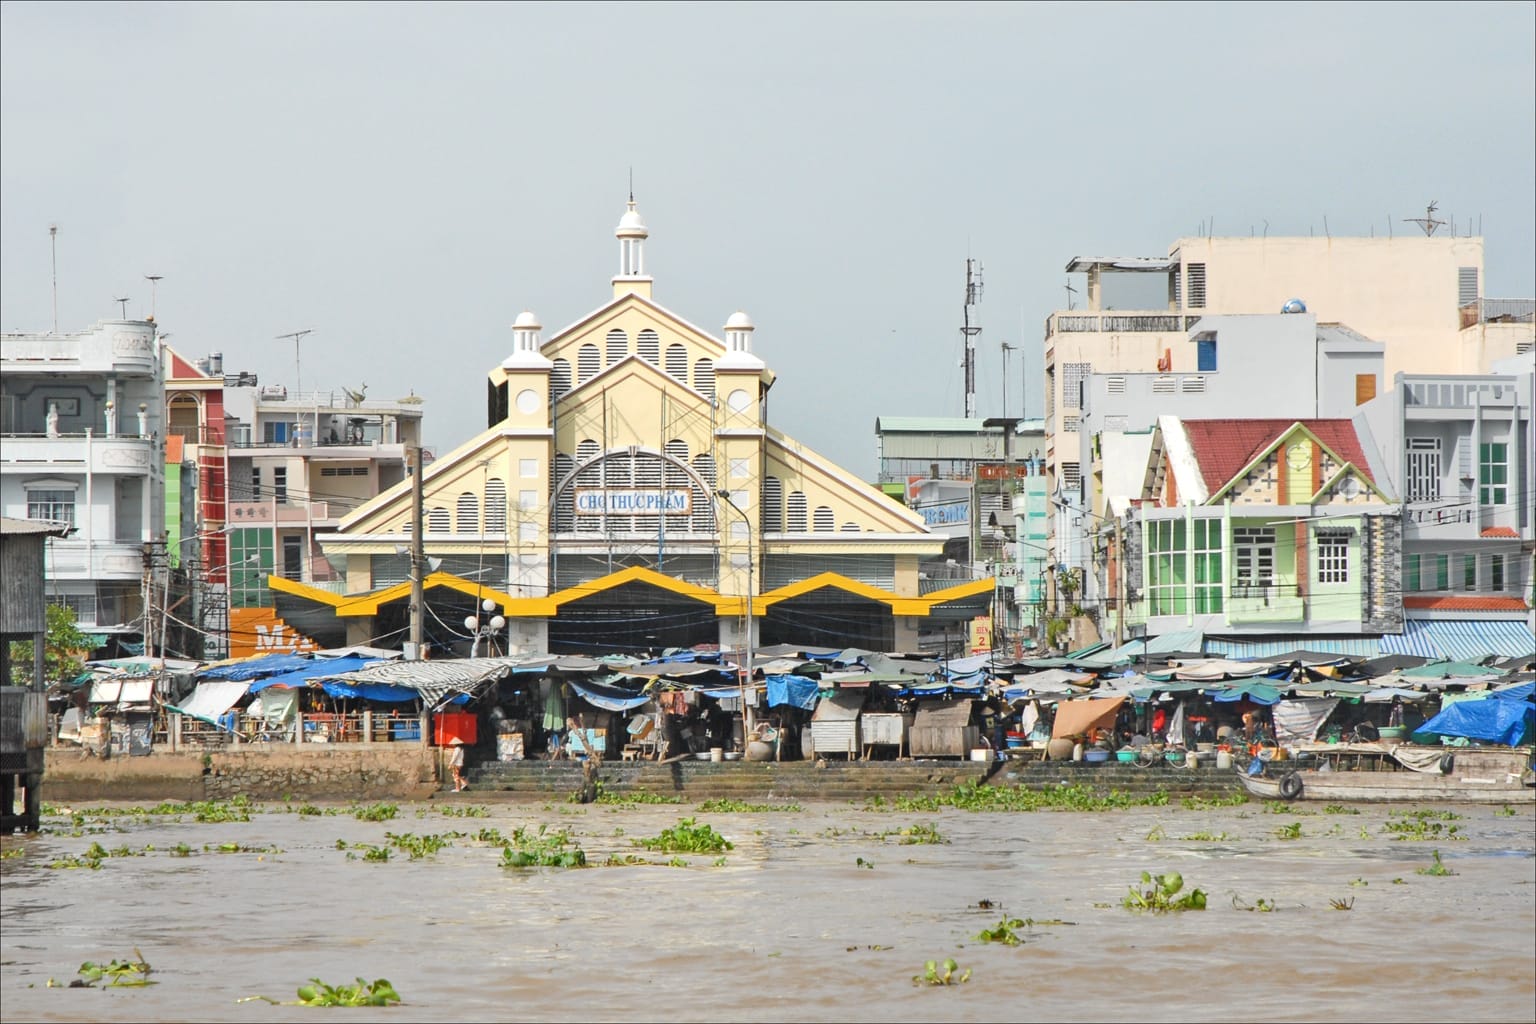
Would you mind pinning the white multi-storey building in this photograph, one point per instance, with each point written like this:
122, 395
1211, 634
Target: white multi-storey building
81, 419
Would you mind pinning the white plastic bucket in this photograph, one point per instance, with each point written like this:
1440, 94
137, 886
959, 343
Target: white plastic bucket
1223, 760
717, 754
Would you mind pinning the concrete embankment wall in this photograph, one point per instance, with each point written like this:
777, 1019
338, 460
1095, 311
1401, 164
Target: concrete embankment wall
395, 771
333, 773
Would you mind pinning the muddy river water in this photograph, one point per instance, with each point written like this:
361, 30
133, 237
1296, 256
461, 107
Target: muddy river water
821, 913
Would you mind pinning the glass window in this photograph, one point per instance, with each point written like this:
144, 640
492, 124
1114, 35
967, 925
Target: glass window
1495, 572
280, 485
1253, 555
1411, 571
1468, 572
1493, 473
54, 505
1442, 572
1205, 355
1333, 558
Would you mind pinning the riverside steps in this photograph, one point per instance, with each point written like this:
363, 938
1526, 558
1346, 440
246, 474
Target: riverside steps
832, 780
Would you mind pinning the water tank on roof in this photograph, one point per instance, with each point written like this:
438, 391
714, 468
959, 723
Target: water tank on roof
216, 364
1294, 306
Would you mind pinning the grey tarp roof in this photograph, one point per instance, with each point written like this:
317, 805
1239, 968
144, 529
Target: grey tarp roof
436, 681
839, 707
939, 713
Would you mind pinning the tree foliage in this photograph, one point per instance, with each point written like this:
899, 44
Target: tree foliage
64, 649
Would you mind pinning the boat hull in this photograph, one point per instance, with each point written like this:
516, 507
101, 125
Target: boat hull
1393, 786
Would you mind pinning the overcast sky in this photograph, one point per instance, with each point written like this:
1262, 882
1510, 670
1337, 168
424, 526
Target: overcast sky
405, 180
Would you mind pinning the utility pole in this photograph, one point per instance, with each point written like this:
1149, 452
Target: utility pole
418, 554
1119, 584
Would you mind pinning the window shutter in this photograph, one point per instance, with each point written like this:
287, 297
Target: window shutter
1365, 387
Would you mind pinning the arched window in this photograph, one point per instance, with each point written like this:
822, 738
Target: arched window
772, 518
437, 520
184, 419
850, 527
704, 377
824, 521
588, 362
559, 379
469, 513
618, 345
495, 506
677, 362
648, 346
796, 517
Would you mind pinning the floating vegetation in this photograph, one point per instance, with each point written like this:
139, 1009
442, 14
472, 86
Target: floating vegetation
724, 806
1158, 833
466, 811
417, 847
875, 948
117, 974
1201, 803
1160, 894
1005, 931
915, 835
1505, 811
235, 848
975, 796
1344, 904
1437, 869
1291, 831
318, 993
376, 812
1206, 837
371, 853
629, 797
9, 854
1258, 906
1359, 882
1340, 809
542, 849
860, 862
946, 972
1422, 829
687, 836
1426, 814
1285, 807
624, 860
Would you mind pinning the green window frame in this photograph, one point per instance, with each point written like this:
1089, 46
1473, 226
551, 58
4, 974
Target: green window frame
1411, 570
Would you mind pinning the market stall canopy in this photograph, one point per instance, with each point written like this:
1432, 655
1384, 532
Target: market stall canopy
606, 697
796, 691
438, 682
1220, 668
211, 699
1075, 717
318, 668
258, 667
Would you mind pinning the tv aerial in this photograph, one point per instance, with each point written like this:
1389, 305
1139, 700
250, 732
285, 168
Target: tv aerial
1429, 222
124, 301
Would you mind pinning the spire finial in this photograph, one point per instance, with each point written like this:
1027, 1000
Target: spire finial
631, 187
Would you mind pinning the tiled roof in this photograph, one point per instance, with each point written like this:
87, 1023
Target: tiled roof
1501, 531
1224, 447
1461, 603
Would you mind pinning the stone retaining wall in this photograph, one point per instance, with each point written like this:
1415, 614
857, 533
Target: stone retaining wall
333, 773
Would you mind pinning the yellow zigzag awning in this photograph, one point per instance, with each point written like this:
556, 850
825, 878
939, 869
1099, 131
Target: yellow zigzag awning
350, 605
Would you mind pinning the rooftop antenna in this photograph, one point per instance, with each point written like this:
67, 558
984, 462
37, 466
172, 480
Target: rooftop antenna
298, 378
1070, 292
971, 332
53, 244
154, 287
631, 184
1429, 222
1006, 349
125, 307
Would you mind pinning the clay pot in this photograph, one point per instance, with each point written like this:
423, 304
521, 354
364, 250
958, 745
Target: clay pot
1059, 750
757, 750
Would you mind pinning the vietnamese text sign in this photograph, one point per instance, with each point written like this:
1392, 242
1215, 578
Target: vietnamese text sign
633, 502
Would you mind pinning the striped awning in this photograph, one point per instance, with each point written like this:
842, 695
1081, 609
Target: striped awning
1460, 639
1233, 647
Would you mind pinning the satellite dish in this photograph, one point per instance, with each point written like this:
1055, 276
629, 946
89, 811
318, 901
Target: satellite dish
1294, 306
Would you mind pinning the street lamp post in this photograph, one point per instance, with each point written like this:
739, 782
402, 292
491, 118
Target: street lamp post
746, 671
484, 630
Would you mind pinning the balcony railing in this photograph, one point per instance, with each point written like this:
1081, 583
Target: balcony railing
1498, 311
1148, 322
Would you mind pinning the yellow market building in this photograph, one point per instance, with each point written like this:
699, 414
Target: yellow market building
629, 494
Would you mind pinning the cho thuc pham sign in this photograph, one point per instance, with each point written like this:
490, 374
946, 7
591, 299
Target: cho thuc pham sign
633, 501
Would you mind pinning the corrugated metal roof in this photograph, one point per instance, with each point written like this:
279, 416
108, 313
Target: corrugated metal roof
932, 425
11, 526
1461, 640
1364, 646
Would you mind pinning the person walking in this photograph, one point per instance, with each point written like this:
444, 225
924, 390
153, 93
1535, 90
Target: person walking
456, 763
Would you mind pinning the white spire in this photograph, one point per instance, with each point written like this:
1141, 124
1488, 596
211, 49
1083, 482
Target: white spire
738, 344
631, 234
525, 344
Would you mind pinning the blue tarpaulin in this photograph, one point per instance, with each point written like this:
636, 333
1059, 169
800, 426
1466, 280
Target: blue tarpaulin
368, 691
1491, 720
609, 698
256, 668
312, 668
1258, 693
796, 691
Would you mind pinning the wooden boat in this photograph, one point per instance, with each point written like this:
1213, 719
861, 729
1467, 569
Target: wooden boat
1498, 775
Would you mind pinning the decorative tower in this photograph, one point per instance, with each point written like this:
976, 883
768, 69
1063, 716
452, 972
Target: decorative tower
631, 233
